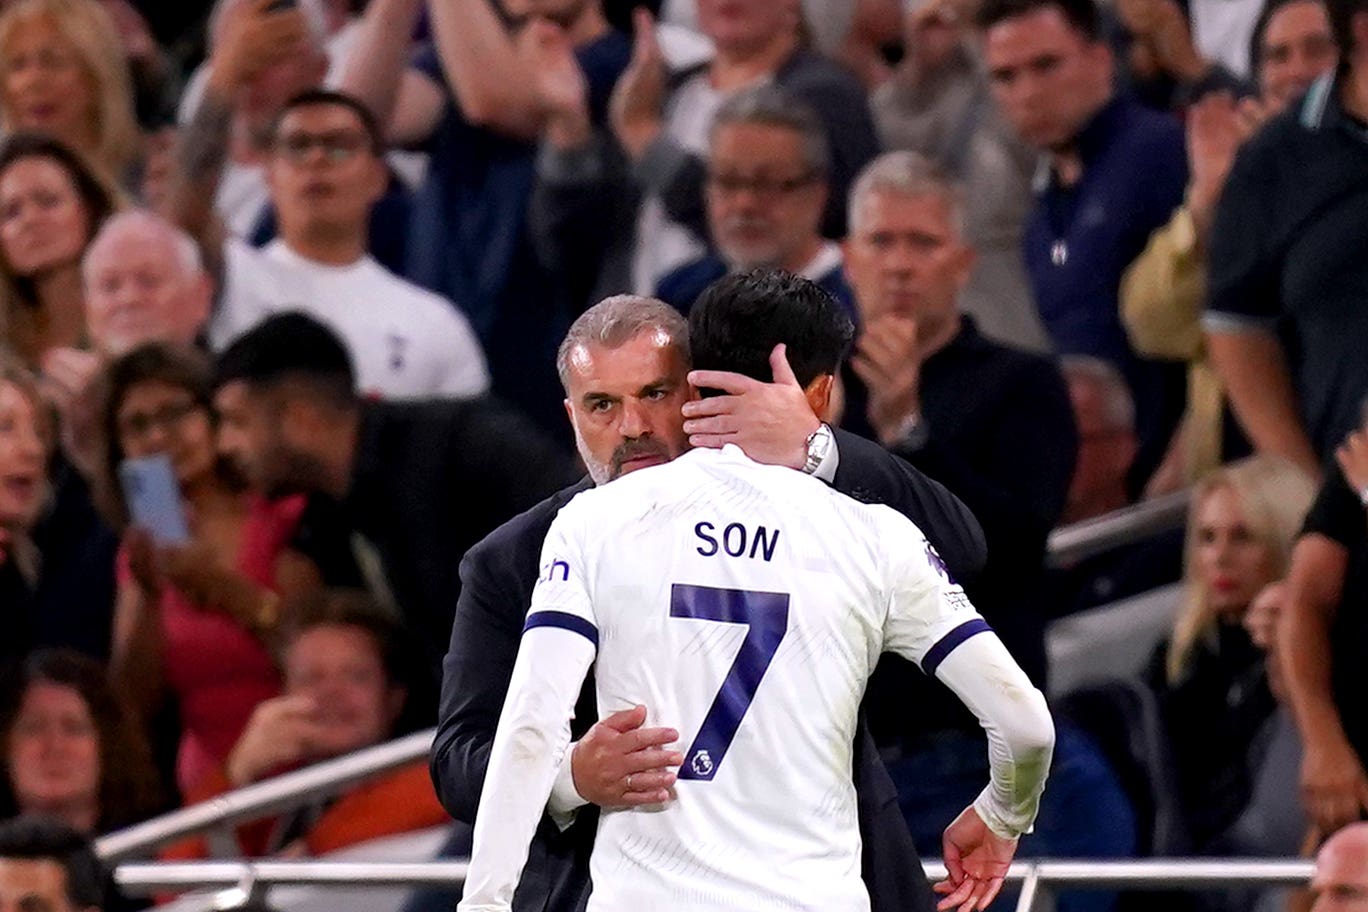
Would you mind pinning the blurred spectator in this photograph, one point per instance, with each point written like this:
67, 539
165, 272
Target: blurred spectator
51, 205
1163, 291
1116, 172
1340, 882
767, 185
1162, 64
344, 689
472, 101
326, 174
937, 104
418, 482
1322, 639
25, 445
192, 620
144, 282
993, 425
65, 76
1213, 693
663, 121
260, 58
1284, 323
45, 865
1105, 417
71, 750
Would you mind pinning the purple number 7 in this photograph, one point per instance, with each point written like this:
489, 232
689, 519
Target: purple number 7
765, 615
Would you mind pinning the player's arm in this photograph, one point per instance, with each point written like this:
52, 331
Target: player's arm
559, 641
932, 623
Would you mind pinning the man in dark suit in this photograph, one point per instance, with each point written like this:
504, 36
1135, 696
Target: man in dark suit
624, 366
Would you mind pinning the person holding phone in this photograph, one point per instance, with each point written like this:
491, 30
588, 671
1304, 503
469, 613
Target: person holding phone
204, 568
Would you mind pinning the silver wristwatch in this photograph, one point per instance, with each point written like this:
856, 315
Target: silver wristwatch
818, 446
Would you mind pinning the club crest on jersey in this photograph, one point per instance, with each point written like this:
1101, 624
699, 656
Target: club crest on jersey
701, 764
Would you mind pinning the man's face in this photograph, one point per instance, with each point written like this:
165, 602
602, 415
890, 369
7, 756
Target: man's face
340, 667
764, 202
33, 885
905, 256
1297, 49
624, 404
1047, 77
250, 437
137, 290
1340, 883
322, 172
743, 24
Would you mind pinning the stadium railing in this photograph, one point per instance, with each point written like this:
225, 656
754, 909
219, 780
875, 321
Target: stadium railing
1037, 880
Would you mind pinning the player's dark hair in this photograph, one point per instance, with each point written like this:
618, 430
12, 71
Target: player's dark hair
1082, 15
42, 839
737, 321
312, 97
291, 348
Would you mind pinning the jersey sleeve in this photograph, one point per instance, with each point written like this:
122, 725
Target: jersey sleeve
558, 645
561, 595
928, 613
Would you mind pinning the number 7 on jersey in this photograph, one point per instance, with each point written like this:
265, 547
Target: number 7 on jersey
765, 615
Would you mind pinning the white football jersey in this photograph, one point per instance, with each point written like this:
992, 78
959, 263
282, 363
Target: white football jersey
746, 606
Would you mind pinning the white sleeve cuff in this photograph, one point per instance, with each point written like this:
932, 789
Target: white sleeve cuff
565, 801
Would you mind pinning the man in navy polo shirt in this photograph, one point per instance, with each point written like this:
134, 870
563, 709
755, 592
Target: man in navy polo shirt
1113, 172
1285, 319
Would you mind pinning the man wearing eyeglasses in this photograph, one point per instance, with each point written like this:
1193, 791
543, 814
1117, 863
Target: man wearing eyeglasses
766, 189
325, 172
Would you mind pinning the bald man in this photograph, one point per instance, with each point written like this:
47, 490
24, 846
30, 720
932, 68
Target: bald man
1340, 883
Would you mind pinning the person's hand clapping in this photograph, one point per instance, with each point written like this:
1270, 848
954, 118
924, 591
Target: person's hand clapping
638, 103
888, 360
252, 39
559, 82
281, 732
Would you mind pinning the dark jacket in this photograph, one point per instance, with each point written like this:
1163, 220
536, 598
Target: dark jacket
498, 575
430, 479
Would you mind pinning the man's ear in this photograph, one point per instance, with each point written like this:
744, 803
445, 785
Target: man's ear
818, 394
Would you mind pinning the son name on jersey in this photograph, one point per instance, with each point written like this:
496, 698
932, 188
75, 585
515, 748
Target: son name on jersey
736, 540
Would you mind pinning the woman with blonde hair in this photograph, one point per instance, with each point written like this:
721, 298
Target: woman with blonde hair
1210, 677
64, 74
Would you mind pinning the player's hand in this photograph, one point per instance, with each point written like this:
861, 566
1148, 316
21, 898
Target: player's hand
976, 860
619, 764
771, 422
1333, 784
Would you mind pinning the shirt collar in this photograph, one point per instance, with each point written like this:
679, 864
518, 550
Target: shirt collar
1095, 136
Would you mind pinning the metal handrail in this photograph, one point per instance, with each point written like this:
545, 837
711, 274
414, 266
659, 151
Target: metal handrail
1037, 877
1073, 543
276, 795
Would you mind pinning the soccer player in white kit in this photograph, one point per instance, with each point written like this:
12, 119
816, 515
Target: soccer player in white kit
748, 604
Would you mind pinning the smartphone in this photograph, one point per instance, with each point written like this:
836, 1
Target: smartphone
153, 497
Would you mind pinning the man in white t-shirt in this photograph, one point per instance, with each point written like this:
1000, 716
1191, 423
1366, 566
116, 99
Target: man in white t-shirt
325, 173
748, 604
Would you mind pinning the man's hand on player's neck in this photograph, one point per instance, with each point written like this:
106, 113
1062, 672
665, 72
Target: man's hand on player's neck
770, 422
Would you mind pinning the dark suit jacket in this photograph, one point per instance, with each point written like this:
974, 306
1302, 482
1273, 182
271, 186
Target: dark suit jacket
498, 575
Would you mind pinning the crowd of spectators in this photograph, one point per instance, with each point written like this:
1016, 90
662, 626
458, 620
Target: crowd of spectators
317, 258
